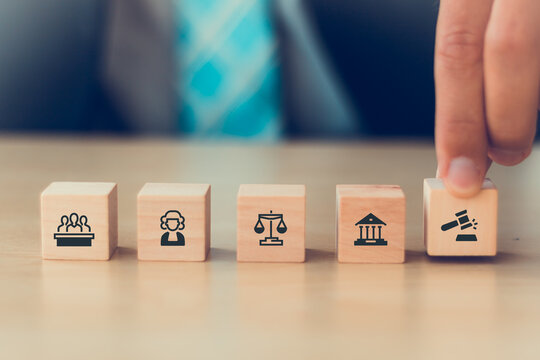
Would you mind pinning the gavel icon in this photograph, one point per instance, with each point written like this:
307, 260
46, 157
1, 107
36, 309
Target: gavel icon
463, 220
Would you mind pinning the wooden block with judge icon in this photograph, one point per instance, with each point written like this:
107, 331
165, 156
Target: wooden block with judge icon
271, 223
370, 226
79, 220
173, 222
460, 227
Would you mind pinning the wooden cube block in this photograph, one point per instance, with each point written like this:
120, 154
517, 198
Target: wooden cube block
370, 226
460, 227
79, 220
173, 222
271, 223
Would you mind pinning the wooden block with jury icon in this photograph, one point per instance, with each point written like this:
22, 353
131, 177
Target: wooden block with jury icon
370, 226
173, 222
460, 227
79, 220
271, 223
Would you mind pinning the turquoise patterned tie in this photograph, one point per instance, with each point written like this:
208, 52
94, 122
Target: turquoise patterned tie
228, 69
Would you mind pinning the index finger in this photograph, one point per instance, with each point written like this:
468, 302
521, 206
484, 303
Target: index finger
460, 131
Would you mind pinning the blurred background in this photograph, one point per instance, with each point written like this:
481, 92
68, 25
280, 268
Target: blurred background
258, 69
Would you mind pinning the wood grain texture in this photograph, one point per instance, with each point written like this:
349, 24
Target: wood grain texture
441, 208
357, 202
190, 204
63, 206
130, 309
269, 201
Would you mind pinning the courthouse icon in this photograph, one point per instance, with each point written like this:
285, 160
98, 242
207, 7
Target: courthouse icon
370, 231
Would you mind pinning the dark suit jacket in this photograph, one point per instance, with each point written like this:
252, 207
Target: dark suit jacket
362, 67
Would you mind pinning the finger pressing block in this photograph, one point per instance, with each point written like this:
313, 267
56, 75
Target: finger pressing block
460, 227
79, 220
271, 223
370, 224
173, 222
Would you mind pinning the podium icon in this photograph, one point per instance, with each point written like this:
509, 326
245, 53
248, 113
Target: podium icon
74, 231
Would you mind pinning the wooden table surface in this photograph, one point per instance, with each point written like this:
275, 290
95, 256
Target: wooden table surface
424, 309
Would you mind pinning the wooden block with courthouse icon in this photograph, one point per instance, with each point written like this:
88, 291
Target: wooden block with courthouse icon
173, 222
271, 223
79, 220
460, 227
370, 225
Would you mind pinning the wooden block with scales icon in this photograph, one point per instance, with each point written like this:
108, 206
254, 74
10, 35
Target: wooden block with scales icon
271, 223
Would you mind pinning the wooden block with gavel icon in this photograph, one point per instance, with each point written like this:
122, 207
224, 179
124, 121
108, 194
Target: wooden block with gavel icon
271, 223
173, 222
79, 220
370, 226
460, 227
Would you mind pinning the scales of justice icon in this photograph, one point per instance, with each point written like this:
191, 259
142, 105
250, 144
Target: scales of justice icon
281, 228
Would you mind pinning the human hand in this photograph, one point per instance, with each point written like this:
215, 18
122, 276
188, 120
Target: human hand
487, 79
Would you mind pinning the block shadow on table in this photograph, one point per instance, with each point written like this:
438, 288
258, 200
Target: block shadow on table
220, 254
315, 255
320, 256
500, 258
124, 252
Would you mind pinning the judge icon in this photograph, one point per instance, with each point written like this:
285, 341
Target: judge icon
173, 222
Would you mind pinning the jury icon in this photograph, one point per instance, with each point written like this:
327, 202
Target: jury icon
172, 222
270, 240
372, 222
74, 231
465, 222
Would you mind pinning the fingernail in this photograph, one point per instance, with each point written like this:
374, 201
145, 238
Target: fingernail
509, 157
463, 177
